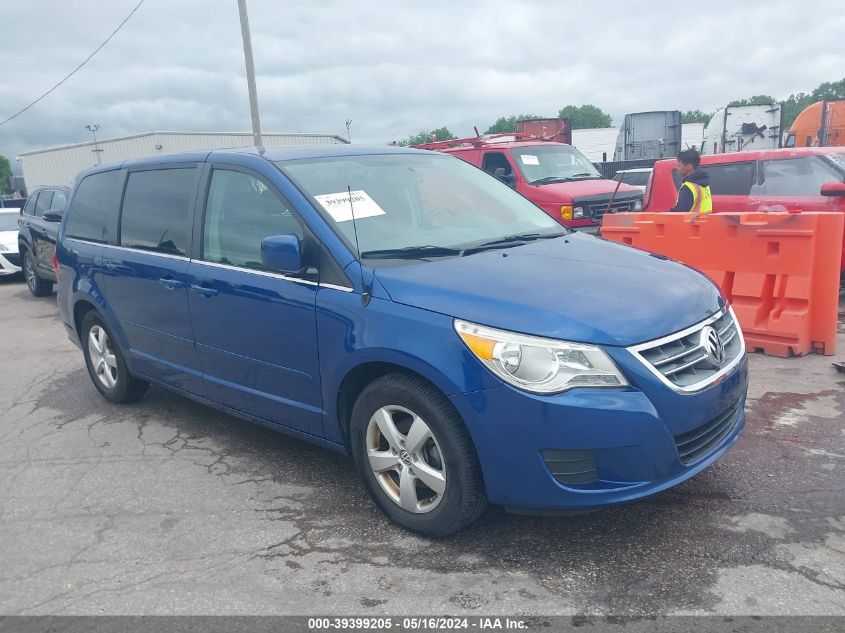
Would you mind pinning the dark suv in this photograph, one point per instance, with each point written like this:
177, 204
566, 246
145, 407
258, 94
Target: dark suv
39, 227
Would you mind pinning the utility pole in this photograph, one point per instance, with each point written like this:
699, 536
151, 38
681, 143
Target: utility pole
250, 75
93, 127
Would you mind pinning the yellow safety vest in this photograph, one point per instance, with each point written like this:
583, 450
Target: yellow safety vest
702, 200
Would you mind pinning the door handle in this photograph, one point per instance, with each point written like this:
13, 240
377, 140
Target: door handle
171, 284
204, 290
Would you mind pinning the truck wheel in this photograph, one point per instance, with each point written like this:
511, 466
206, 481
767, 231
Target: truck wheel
416, 457
37, 286
105, 363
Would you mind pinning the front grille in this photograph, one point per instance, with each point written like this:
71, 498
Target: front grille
572, 467
597, 210
695, 445
682, 361
13, 258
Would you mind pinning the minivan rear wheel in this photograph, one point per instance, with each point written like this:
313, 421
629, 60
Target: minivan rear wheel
37, 286
105, 363
416, 457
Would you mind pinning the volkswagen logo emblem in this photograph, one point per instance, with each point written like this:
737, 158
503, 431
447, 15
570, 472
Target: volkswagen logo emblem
712, 346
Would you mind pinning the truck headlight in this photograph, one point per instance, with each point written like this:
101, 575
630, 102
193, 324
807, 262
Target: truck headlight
578, 212
539, 365
638, 205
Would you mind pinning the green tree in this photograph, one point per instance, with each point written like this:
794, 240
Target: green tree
507, 124
5, 174
696, 116
586, 116
441, 134
830, 90
791, 107
755, 100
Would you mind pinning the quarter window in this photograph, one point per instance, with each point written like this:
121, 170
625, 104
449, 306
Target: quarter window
241, 210
93, 214
156, 210
29, 207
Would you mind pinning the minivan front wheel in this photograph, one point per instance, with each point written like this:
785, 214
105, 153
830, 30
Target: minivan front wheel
416, 457
37, 286
105, 363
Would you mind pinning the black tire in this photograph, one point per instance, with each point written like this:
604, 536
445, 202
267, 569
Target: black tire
37, 286
126, 388
463, 499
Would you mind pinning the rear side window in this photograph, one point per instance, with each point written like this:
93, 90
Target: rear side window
793, 177
29, 208
156, 210
730, 179
93, 214
44, 199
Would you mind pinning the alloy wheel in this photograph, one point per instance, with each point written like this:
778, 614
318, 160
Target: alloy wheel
406, 459
102, 357
29, 272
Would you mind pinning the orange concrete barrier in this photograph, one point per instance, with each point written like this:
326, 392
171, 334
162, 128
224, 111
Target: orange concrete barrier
780, 271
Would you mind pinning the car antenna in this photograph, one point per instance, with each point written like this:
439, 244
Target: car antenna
365, 295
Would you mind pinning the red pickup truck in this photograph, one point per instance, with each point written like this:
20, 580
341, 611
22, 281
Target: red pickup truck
805, 179
554, 176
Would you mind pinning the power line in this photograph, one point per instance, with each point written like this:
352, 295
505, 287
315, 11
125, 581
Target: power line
75, 70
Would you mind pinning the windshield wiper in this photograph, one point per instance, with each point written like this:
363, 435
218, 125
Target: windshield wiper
511, 240
412, 252
548, 179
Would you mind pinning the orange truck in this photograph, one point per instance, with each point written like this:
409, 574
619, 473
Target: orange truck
821, 124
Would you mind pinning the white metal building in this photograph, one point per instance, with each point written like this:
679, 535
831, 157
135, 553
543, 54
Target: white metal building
60, 165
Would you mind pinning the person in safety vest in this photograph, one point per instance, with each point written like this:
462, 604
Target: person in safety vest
694, 193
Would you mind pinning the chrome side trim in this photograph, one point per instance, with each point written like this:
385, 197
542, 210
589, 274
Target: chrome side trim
636, 349
334, 287
129, 249
252, 271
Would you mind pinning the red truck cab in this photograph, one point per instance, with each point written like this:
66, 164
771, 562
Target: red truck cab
801, 179
554, 176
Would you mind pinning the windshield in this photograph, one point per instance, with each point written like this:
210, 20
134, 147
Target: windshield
9, 221
636, 178
838, 161
429, 205
542, 164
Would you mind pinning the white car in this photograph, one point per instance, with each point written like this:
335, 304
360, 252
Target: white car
10, 259
637, 177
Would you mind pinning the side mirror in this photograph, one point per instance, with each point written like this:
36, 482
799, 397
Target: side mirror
282, 253
508, 179
833, 189
53, 215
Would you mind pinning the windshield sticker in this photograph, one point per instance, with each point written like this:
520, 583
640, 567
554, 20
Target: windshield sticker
528, 159
338, 205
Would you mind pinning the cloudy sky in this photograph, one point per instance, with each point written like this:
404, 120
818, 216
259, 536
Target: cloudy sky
395, 67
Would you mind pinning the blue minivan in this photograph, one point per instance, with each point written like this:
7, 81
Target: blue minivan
411, 310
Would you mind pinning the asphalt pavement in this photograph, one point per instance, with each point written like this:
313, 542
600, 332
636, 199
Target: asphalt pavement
168, 507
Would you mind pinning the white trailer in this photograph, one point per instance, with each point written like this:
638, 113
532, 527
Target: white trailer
60, 165
737, 128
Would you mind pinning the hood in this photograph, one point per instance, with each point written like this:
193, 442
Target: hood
583, 188
699, 177
575, 288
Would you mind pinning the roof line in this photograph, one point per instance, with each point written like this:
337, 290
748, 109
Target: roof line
171, 133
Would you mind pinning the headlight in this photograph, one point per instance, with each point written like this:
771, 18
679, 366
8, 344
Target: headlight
539, 365
638, 205
578, 212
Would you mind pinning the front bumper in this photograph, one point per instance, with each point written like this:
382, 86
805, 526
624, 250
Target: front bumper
611, 445
10, 263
